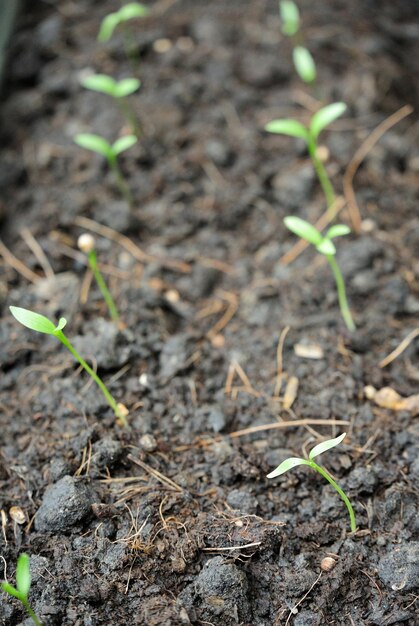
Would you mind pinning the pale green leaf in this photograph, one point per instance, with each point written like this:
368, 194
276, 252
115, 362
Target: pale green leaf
338, 230
304, 64
126, 87
303, 229
94, 143
287, 465
290, 17
326, 445
326, 116
132, 10
108, 25
292, 128
32, 320
11, 591
101, 83
326, 247
61, 323
123, 143
23, 575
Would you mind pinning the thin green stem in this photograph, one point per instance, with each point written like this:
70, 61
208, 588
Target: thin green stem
102, 286
30, 611
323, 177
111, 401
120, 180
130, 47
343, 302
340, 492
129, 115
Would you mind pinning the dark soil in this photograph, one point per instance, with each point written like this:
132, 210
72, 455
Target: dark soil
172, 521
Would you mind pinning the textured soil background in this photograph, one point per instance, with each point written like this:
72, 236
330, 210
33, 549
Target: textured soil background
173, 521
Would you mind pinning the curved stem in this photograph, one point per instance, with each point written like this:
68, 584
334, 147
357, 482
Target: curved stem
120, 181
102, 286
31, 613
109, 398
129, 115
343, 302
323, 177
340, 492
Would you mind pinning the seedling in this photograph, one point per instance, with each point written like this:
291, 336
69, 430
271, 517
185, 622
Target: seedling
86, 243
303, 61
320, 120
126, 13
23, 585
325, 245
118, 90
98, 144
288, 464
41, 324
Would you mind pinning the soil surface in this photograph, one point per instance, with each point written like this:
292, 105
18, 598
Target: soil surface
172, 521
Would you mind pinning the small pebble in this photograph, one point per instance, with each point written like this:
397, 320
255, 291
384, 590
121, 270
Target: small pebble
327, 564
148, 443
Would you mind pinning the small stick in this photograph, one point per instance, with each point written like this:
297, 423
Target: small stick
302, 599
160, 477
18, 265
288, 424
40, 255
360, 155
400, 348
279, 371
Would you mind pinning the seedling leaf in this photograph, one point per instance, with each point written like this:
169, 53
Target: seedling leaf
303, 229
287, 465
304, 64
131, 10
292, 128
126, 87
326, 445
11, 591
108, 25
100, 83
290, 17
32, 320
123, 143
326, 247
338, 230
23, 575
94, 143
326, 116
61, 323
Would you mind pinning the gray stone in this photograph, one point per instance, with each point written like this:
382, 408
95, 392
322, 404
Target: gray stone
106, 453
65, 504
242, 501
399, 569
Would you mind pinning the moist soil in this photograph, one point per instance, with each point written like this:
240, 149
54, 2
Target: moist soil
172, 521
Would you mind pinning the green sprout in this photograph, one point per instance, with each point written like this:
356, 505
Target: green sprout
126, 13
98, 144
86, 244
23, 585
319, 449
303, 61
320, 120
325, 245
118, 90
41, 324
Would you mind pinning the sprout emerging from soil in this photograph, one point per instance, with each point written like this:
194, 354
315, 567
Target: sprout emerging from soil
325, 245
87, 244
125, 14
320, 120
288, 464
118, 90
303, 61
98, 144
23, 585
41, 324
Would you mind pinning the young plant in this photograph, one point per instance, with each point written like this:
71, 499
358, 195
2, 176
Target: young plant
86, 244
23, 585
325, 245
320, 120
126, 13
303, 61
118, 90
98, 144
288, 464
41, 324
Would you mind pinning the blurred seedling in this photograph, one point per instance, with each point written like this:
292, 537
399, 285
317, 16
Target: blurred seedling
119, 91
87, 244
288, 464
310, 134
98, 144
325, 245
126, 13
303, 61
23, 585
41, 324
